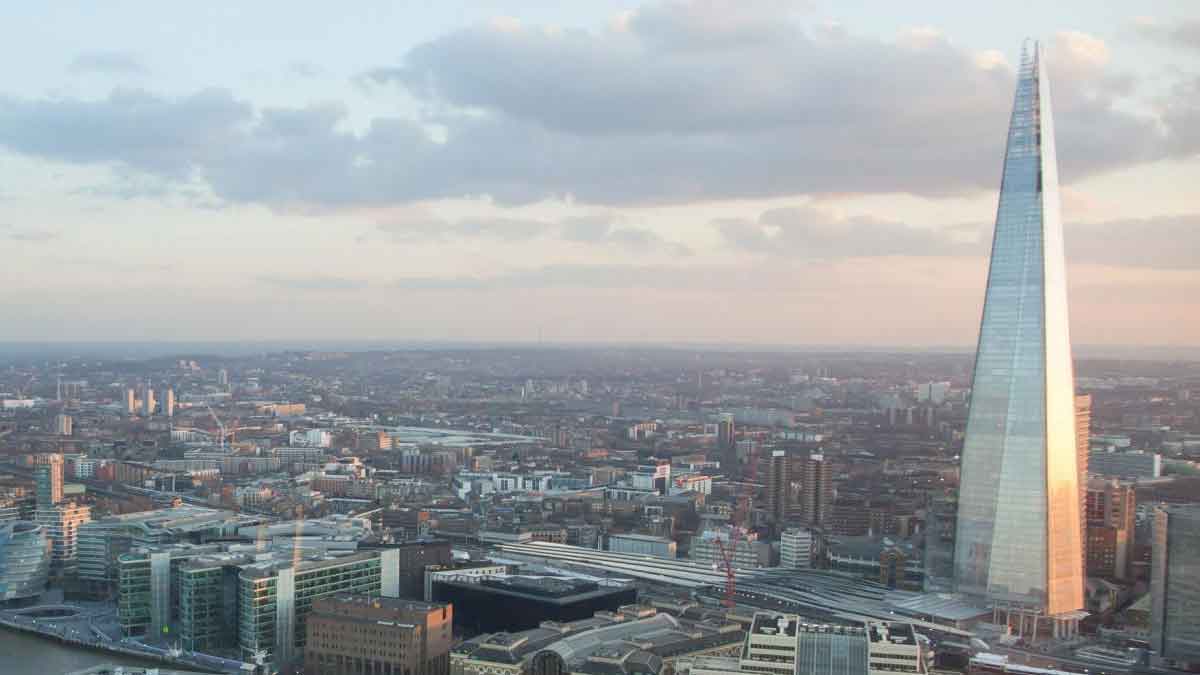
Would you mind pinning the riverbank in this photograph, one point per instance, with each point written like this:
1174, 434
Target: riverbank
78, 642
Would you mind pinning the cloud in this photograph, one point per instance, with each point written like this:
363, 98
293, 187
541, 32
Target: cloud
598, 276
131, 128
27, 235
610, 228
680, 101
1165, 243
112, 63
305, 69
419, 224
315, 283
414, 224
1182, 33
813, 233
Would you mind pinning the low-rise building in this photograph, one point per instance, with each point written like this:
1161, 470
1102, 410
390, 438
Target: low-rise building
642, 544
498, 602
796, 546
351, 634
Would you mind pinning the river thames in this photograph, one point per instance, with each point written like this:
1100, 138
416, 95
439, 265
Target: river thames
22, 653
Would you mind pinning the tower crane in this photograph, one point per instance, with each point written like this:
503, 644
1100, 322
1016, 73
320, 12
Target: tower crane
220, 426
728, 551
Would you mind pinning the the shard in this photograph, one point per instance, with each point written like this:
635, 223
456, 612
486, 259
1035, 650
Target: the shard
1018, 544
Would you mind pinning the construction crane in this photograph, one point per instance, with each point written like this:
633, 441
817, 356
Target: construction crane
728, 549
220, 426
736, 530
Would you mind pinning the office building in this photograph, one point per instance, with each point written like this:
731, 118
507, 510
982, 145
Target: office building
61, 523
416, 556
145, 599
488, 603
130, 401
48, 480
1125, 465
275, 597
1175, 584
892, 563
772, 645
815, 507
1018, 544
168, 404
894, 648
101, 542
63, 425
1083, 435
352, 634
642, 544
933, 392
148, 402
1109, 515
941, 518
727, 444
786, 644
796, 547
749, 552
24, 560
16, 504
778, 485
207, 587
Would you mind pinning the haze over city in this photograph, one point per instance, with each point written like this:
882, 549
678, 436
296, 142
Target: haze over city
786, 173
672, 337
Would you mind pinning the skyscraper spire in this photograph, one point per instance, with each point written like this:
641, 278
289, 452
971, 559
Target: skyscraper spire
1018, 538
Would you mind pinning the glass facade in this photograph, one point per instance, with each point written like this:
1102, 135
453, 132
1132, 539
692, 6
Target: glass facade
1018, 532
24, 560
274, 604
207, 605
1175, 583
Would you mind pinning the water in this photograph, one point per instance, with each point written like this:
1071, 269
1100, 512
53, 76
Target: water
22, 654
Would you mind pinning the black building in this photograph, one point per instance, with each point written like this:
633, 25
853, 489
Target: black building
513, 603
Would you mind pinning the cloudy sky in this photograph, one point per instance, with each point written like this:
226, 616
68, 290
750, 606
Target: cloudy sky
751, 171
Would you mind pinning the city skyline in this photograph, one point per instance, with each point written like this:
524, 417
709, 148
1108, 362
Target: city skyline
702, 172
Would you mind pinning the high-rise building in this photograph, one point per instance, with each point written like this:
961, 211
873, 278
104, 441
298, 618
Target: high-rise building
148, 402
778, 485
130, 401
1083, 433
350, 634
941, 518
48, 480
816, 490
63, 425
933, 392
1018, 544
727, 444
168, 404
223, 378
1109, 514
1175, 583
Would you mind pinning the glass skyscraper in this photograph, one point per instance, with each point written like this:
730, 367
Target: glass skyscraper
1017, 542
